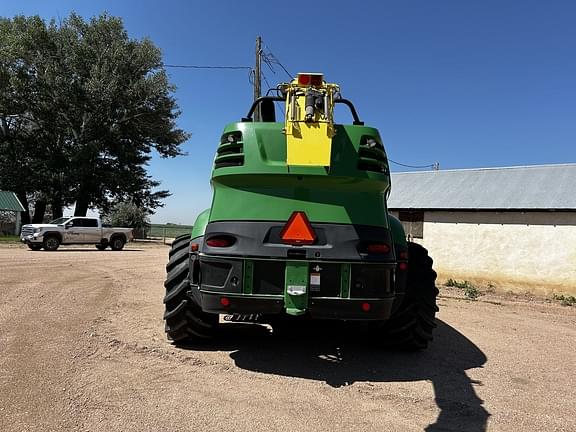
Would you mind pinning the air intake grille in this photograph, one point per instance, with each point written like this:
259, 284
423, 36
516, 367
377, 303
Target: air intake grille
230, 153
371, 156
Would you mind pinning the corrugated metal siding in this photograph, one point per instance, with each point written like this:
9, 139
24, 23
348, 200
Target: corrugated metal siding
539, 187
9, 201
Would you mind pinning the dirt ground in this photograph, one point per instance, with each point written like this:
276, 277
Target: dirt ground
82, 348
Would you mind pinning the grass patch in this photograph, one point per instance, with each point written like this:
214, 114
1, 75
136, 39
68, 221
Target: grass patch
565, 300
457, 284
470, 291
9, 239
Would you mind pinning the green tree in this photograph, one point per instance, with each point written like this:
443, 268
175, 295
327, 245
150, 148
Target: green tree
19, 39
91, 105
128, 214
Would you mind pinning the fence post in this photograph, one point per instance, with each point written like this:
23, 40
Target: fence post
164, 235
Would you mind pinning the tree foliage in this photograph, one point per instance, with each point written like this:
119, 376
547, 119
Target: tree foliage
127, 214
82, 108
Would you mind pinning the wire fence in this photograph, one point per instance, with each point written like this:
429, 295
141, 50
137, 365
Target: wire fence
166, 231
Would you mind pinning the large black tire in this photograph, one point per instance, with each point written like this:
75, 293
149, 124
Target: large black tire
51, 243
185, 320
412, 324
35, 246
179, 243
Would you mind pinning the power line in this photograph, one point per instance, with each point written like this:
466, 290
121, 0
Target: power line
207, 67
266, 81
248, 68
270, 59
276, 104
434, 165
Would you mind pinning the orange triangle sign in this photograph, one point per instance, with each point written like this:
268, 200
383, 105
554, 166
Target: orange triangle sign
298, 230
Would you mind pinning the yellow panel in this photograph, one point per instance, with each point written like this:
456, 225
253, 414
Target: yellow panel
309, 144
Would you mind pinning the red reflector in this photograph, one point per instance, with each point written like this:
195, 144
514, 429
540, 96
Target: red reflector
220, 241
310, 79
316, 80
403, 255
402, 266
194, 247
225, 301
378, 248
303, 80
298, 230
366, 307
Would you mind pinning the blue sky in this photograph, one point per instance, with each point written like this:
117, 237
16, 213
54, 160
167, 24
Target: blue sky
467, 84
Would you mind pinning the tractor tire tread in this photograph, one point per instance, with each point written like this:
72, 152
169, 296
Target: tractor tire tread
176, 259
412, 325
178, 244
185, 320
177, 291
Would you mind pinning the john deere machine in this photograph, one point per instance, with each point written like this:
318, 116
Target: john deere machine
299, 230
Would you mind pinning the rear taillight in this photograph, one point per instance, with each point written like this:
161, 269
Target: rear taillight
221, 241
225, 301
378, 248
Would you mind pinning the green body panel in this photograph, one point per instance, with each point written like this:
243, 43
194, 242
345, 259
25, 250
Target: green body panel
248, 285
251, 181
296, 275
266, 188
200, 224
345, 281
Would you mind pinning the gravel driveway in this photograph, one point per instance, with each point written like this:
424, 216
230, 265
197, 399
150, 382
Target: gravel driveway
82, 348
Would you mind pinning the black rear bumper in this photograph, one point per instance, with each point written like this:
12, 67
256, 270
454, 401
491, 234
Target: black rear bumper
321, 308
351, 309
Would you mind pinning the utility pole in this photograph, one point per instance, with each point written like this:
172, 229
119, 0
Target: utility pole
257, 71
258, 75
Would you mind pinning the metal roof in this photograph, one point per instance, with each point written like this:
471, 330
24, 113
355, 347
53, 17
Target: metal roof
9, 201
537, 187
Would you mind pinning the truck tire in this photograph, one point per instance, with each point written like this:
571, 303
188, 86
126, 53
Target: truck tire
411, 326
185, 320
35, 246
51, 243
117, 243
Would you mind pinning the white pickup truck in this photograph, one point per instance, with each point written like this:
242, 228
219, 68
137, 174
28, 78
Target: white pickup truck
74, 230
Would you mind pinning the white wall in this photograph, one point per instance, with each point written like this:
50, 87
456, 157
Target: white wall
532, 251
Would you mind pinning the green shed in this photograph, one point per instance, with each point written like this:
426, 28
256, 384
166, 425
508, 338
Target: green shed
10, 209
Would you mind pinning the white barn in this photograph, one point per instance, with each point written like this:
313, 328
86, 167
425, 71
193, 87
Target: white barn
511, 227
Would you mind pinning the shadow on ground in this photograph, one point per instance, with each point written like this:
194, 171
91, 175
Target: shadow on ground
343, 361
